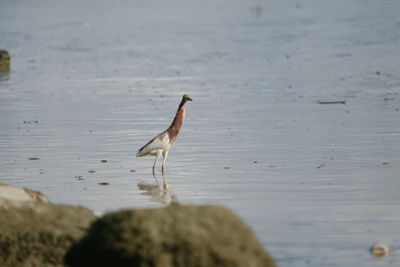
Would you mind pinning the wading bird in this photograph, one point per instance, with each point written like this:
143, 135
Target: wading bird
165, 140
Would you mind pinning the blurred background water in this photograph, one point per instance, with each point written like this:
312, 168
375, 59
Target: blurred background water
93, 81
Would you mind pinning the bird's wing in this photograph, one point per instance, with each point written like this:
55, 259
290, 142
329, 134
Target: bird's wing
158, 142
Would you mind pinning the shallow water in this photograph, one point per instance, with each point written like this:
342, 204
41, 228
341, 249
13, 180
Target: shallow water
95, 81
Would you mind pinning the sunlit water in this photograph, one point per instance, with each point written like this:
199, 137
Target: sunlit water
93, 82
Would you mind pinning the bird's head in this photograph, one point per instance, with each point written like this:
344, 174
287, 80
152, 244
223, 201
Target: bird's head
186, 98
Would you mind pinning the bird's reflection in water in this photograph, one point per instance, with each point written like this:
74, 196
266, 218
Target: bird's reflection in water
157, 192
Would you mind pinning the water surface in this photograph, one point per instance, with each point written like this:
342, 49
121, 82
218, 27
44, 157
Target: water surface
93, 81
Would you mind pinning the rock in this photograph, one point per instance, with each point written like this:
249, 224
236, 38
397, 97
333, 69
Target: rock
179, 236
4, 61
34, 232
20, 194
379, 249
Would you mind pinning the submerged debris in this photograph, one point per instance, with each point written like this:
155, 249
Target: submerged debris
332, 102
257, 11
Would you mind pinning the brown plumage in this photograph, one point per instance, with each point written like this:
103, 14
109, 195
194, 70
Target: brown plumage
165, 140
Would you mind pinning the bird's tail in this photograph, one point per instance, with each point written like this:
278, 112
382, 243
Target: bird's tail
139, 153
144, 150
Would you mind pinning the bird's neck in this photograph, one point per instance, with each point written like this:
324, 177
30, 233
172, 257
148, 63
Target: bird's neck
176, 124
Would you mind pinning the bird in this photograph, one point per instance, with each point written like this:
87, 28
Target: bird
162, 143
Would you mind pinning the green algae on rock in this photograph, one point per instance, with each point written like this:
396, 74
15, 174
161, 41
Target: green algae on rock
4, 61
39, 234
173, 236
34, 232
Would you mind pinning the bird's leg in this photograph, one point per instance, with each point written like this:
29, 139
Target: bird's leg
155, 178
165, 185
165, 155
155, 162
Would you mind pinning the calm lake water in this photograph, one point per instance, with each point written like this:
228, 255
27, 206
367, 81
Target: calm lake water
93, 81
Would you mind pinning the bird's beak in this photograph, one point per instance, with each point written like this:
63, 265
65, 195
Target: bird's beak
189, 99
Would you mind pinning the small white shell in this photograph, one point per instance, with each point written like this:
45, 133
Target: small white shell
379, 249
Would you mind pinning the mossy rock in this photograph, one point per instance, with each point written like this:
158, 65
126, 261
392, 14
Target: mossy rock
39, 234
4, 61
175, 236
